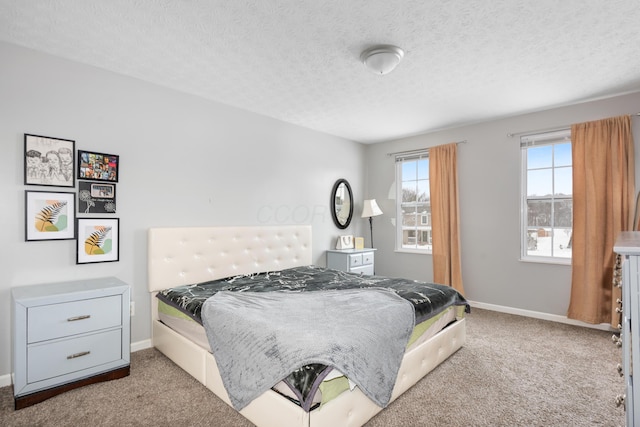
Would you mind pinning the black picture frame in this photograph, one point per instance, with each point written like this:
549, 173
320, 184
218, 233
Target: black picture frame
96, 197
94, 166
98, 240
49, 161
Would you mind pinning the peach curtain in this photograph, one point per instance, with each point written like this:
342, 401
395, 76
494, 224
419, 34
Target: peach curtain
603, 203
445, 215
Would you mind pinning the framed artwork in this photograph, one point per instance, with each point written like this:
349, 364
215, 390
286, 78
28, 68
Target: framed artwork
96, 197
49, 215
98, 240
49, 161
98, 166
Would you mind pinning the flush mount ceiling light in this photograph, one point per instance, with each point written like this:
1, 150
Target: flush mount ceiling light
382, 59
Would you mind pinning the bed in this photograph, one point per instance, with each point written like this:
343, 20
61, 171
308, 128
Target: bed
189, 255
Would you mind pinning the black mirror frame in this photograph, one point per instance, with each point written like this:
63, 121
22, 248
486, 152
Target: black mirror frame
333, 203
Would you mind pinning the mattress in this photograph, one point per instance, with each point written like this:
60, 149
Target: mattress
436, 306
189, 328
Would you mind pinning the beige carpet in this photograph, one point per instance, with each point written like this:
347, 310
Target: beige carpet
513, 371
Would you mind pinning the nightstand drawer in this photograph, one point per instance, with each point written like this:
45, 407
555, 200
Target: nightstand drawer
75, 317
352, 260
57, 358
365, 269
367, 258
355, 260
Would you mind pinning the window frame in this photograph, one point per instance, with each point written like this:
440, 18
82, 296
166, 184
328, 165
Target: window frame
420, 226
552, 138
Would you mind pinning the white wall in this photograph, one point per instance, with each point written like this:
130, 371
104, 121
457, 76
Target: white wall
184, 161
188, 161
489, 185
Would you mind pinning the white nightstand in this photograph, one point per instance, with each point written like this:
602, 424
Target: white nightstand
67, 335
352, 260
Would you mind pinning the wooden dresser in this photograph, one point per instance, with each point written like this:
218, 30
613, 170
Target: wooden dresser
67, 335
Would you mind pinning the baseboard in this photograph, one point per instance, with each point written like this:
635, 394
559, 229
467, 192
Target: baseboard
538, 315
140, 345
5, 380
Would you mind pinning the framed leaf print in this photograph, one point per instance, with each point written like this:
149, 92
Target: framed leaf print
49, 215
98, 240
49, 161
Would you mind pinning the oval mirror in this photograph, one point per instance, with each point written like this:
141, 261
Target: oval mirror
341, 203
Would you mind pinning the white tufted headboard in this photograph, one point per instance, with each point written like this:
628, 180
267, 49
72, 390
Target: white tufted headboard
184, 255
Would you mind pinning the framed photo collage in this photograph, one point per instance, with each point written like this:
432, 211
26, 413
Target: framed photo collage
55, 215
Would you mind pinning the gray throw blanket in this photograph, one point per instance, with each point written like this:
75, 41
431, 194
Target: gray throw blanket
258, 338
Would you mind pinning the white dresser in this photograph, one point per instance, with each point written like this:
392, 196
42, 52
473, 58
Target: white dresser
67, 335
628, 245
352, 260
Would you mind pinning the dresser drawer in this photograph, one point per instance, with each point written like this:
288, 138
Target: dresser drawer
351, 260
367, 258
75, 317
365, 269
355, 260
52, 359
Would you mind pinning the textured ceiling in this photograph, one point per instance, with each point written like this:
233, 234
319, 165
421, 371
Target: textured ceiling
465, 61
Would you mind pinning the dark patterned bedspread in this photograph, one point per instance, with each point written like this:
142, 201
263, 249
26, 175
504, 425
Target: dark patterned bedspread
428, 300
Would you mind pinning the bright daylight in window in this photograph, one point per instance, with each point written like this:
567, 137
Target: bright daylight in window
547, 189
413, 203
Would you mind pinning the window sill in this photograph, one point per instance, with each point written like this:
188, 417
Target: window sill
413, 251
547, 260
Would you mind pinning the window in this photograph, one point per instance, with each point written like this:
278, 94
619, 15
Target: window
413, 204
547, 204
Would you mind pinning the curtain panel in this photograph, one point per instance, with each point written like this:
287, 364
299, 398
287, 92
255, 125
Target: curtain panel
603, 204
445, 216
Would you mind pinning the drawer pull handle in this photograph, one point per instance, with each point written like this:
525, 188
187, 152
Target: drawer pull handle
82, 353
616, 340
73, 319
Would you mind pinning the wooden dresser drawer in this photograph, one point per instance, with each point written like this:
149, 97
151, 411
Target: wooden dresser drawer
52, 359
76, 317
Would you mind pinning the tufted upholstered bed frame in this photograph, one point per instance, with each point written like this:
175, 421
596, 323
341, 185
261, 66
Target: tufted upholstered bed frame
184, 255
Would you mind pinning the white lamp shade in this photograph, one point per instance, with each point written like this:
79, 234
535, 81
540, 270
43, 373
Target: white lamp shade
370, 209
